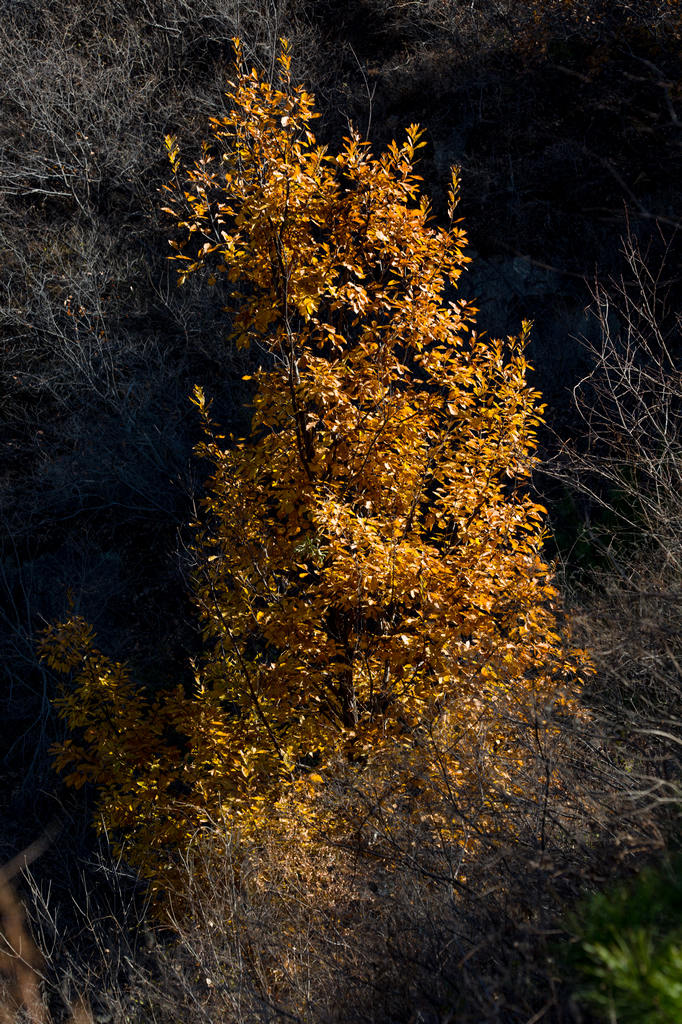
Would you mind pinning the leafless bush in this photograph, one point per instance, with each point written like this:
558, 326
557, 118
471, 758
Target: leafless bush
21, 962
395, 902
387, 916
88, 957
631, 408
626, 476
417, 904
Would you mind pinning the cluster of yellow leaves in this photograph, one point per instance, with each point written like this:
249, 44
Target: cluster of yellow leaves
152, 759
370, 560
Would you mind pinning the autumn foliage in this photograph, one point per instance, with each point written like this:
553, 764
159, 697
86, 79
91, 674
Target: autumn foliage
369, 560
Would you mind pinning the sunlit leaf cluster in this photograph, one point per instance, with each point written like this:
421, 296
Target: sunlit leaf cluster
369, 559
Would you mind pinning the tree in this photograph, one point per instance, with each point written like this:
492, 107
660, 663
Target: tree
369, 564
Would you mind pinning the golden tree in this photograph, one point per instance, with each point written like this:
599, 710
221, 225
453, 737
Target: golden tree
370, 561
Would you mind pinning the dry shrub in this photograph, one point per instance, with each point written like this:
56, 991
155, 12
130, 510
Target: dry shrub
21, 962
626, 475
384, 903
424, 904
424, 907
83, 956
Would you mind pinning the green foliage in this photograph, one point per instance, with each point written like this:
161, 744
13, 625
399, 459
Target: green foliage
628, 952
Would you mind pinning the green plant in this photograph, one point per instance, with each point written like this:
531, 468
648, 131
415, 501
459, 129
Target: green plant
627, 953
